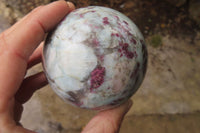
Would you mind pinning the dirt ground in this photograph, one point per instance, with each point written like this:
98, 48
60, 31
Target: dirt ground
167, 101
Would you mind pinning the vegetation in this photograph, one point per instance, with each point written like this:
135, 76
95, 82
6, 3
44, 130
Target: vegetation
156, 41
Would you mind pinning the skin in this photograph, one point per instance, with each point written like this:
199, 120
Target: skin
20, 49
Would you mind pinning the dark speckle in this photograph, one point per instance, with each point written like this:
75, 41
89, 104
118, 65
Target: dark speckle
136, 70
117, 17
125, 22
74, 98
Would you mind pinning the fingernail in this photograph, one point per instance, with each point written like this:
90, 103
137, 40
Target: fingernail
71, 5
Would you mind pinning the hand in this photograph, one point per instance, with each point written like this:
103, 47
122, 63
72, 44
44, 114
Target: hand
20, 50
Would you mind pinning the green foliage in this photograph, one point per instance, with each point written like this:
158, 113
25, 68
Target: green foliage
192, 59
156, 41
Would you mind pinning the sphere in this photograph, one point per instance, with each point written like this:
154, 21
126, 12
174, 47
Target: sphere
96, 58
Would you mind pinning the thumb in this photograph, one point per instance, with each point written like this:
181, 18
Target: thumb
108, 121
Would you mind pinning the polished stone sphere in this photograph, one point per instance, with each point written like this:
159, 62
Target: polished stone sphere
96, 58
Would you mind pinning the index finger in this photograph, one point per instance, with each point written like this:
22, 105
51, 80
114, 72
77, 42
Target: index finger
23, 38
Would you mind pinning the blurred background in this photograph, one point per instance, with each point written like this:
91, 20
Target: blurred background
168, 100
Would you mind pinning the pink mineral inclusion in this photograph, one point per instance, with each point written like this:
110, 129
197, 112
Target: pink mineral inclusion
95, 42
97, 77
81, 15
133, 40
101, 58
125, 22
124, 51
116, 34
105, 20
117, 17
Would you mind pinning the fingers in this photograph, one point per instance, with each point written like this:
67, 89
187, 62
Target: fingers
29, 86
18, 109
108, 121
18, 43
28, 33
36, 57
38, 79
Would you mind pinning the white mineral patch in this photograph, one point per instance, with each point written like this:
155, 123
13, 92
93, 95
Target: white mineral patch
104, 37
67, 83
78, 60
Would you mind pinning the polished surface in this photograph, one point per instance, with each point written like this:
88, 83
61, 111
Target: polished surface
96, 58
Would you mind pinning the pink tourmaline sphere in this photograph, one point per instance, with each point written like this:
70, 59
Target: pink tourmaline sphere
96, 58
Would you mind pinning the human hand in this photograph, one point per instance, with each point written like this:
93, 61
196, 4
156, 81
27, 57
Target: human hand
20, 50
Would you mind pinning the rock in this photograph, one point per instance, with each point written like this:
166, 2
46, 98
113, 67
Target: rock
171, 85
96, 58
